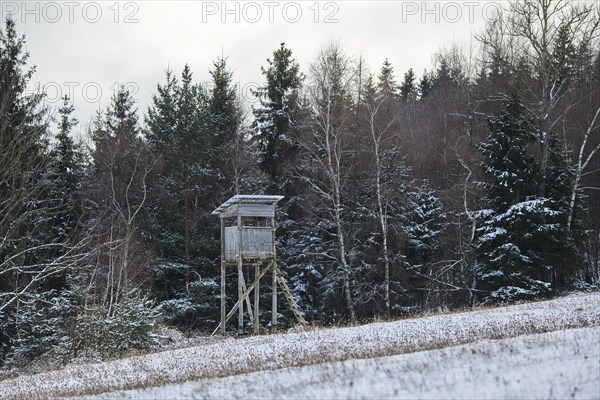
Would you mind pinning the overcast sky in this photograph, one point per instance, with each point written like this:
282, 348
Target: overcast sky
83, 49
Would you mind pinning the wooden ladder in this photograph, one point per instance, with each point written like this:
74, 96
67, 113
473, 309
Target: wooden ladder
290, 298
284, 288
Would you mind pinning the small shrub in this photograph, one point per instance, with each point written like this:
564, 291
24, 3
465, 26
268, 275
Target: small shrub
126, 327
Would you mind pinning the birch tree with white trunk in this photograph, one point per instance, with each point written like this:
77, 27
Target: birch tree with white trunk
327, 155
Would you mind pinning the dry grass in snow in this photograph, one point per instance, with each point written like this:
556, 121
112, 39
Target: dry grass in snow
263, 353
555, 365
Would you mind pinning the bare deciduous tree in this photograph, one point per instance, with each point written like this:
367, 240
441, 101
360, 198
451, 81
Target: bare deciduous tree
327, 154
554, 37
380, 128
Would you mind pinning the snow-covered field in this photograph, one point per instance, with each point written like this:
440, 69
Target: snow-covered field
502, 352
556, 365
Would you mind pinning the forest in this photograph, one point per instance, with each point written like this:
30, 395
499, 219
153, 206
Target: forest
474, 183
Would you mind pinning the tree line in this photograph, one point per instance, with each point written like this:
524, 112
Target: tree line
475, 183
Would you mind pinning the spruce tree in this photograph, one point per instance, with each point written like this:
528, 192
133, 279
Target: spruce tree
561, 248
512, 263
386, 82
180, 132
223, 102
369, 91
408, 87
425, 85
275, 118
424, 220
423, 223
443, 78
121, 119
30, 249
113, 316
228, 133
68, 171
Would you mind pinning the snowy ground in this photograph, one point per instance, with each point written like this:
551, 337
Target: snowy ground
557, 365
455, 355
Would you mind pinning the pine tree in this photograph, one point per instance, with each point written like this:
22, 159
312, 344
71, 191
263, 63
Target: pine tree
561, 248
228, 136
443, 76
223, 102
180, 131
386, 82
424, 223
275, 118
407, 87
67, 172
424, 220
369, 91
512, 263
507, 159
33, 254
425, 85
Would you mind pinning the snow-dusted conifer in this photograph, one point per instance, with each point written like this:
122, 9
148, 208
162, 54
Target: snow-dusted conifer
275, 118
512, 265
180, 132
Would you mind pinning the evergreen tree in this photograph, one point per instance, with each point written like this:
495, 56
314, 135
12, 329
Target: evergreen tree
275, 118
508, 163
561, 250
425, 85
67, 172
443, 76
121, 120
423, 224
180, 131
369, 91
386, 82
228, 136
301, 249
512, 263
24, 182
35, 252
161, 117
565, 57
408, 88
374, 225
223, 102
120, 155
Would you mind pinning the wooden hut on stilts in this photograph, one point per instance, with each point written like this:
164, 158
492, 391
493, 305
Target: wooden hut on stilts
248, 240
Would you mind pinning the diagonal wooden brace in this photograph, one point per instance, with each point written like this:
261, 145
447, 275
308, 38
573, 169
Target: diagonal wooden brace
244, 297
247, 298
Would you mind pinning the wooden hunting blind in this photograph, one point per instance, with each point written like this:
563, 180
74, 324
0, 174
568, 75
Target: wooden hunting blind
248, 240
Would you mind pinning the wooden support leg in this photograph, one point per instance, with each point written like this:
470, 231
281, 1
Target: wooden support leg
240, 298
223, 273
244, 295
256, 299
223, 302
274, 307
